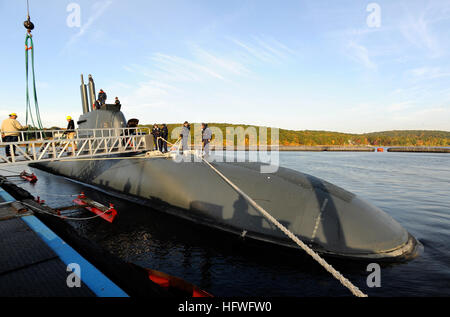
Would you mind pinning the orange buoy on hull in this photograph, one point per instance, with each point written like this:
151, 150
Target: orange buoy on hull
175, 284
107, 213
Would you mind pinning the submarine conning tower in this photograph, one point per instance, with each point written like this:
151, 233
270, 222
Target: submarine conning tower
107, 117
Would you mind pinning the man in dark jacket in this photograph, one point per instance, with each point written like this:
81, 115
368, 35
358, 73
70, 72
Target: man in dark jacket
70, 125
165, 136
132, 124
102, 97
97, 104
156, 132
70, 132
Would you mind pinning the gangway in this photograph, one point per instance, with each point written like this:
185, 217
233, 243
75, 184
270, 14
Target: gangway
54, 145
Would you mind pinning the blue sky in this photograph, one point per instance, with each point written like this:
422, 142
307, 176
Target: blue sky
299, 65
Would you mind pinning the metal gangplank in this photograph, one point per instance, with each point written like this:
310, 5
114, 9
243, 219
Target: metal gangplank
54, 145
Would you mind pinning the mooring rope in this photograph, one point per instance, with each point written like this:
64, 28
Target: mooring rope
355, 290
171, 144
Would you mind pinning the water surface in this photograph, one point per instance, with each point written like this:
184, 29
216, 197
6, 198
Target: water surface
414, 188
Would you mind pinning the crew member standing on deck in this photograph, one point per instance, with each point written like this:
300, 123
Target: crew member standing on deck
206, 138
156, 132
10, 132
102, 97
165, 136
185, 135
70, 132
97, 104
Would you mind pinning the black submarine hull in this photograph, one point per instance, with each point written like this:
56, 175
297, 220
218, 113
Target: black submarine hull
330, 219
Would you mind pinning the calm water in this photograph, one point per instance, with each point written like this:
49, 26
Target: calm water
413, 188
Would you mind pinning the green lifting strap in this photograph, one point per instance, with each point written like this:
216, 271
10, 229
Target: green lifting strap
29, 113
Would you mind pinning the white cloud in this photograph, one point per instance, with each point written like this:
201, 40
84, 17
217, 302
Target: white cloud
223, 64
265, 50
177, 68
360, 54
399, 106
435, 118
418, 32
429, 73
167, 81
204, 64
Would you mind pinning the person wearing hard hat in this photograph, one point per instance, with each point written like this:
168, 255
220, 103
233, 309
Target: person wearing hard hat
10, 131
70, 131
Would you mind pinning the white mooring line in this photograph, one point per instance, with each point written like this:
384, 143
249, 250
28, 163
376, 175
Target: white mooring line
352, 288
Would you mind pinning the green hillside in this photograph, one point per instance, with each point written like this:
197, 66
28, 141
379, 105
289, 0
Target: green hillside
311, 137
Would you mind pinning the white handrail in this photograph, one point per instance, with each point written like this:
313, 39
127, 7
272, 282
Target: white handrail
51, 145
43, 133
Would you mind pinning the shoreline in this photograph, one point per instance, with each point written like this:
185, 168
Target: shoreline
331, 148
419, 149
301, 148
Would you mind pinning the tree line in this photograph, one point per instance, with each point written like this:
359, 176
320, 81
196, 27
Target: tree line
315, 137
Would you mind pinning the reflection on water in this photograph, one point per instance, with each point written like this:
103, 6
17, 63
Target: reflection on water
413, 188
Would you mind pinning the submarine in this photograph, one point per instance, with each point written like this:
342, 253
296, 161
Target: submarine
331, 220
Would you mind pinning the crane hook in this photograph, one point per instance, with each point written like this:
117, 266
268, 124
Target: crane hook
28, 25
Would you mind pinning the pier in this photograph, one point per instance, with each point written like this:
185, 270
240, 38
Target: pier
44, 256
37, 261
